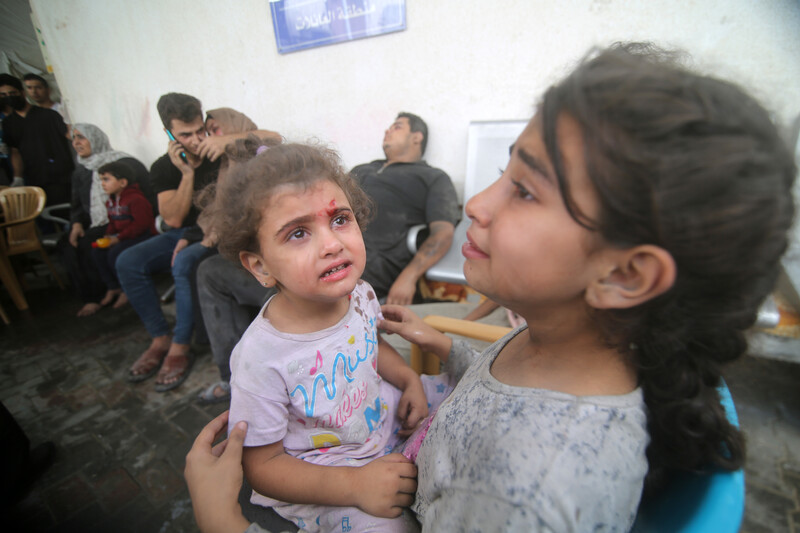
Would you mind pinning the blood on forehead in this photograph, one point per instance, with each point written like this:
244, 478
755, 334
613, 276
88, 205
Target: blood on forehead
330, 211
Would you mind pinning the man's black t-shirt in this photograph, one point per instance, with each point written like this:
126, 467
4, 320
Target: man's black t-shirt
164, 176
405, 195
41, 140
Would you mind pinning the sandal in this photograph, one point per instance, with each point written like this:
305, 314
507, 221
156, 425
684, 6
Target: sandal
180, 371
207, 396
150, 361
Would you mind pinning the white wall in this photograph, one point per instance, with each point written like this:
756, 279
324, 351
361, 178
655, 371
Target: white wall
458, 61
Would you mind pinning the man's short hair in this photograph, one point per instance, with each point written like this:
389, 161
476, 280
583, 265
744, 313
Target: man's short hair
417, 125
8, 79
119, 170
178, 106
35, 77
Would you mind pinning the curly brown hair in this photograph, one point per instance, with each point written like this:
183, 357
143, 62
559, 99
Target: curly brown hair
693, 165
238, 202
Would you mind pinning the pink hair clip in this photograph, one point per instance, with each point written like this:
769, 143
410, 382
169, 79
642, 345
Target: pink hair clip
261, 149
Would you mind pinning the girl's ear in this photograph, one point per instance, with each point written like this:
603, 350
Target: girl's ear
254, 264
634, 276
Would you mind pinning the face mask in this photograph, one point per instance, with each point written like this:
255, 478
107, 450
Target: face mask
17, 102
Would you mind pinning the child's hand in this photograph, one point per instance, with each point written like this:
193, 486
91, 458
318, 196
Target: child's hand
386, 485
412, 407
406, 323
113, 240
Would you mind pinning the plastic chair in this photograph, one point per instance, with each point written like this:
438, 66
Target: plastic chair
697, 503
21, 206
692, 503
61, 224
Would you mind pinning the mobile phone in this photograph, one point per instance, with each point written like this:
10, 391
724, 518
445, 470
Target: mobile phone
172, 138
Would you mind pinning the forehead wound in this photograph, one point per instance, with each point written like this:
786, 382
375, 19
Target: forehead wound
329, 211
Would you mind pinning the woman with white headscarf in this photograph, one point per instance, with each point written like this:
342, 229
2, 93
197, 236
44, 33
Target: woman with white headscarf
88, 215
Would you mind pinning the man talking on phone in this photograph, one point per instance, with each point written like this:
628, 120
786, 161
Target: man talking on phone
175, 177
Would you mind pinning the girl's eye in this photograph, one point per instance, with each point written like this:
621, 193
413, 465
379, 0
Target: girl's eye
298, 234
521, 191
341, 220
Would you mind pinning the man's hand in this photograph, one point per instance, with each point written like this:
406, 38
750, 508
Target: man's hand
174, 150
386, 485
182, 243
76, 233
403, 289
214, 477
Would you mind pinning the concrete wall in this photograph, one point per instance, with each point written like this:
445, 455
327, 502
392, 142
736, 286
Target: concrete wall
459, 60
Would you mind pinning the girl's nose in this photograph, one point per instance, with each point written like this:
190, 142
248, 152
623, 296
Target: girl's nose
479, 207
331, 244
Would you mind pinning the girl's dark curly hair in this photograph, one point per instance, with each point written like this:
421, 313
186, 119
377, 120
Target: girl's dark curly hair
694, 165
238, 201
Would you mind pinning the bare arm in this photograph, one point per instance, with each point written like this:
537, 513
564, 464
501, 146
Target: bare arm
213, 147
406, 323
214, 476
381, 488
174, 204
413, 405
434, 248
483, 309
16, 163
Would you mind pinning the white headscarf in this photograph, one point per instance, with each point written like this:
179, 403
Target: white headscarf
101, 154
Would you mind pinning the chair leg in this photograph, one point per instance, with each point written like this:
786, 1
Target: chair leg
10, 280
52, 268
4, 316
416, 359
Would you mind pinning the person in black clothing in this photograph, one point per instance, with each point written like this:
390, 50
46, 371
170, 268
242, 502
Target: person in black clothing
407, 192
38, 142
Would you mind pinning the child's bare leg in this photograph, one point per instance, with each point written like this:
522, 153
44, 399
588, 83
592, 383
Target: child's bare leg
122, 301
89, 309
150, 361
109, 297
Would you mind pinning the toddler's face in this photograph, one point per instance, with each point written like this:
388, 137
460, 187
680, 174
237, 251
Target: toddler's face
111, 185
524, 250
311, 243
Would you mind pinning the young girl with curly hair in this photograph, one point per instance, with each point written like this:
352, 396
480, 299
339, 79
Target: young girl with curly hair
325, 398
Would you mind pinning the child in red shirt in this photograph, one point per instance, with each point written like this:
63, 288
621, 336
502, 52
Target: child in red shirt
130, 221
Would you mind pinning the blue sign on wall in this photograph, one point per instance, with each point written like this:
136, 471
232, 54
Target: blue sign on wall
301, 24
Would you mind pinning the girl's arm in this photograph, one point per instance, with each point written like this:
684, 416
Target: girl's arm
413, 405
404, 322
381, 488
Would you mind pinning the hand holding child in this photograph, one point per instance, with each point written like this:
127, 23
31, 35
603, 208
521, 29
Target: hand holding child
386, 485
214, 477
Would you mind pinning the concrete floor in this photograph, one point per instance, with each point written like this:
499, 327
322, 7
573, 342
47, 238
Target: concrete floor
121, 446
